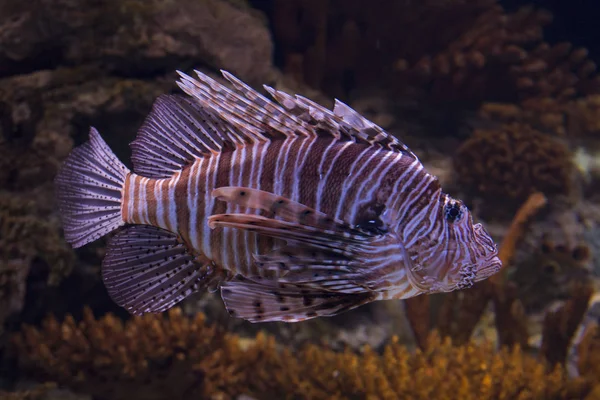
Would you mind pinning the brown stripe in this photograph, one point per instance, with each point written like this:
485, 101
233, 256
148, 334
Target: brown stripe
309, 176
165, 203
339, 173
151, 199
268, 173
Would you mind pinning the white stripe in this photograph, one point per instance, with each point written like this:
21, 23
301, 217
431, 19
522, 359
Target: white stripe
172, 201
132, 197
280, 166
160, 216
192, 201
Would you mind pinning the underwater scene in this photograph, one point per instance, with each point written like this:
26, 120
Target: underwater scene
299, 199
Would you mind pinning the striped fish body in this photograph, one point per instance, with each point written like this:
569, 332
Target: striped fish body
292, 211
351, 182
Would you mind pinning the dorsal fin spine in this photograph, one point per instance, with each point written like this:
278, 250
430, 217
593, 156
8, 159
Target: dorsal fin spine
214, 117
220, 98
224, 110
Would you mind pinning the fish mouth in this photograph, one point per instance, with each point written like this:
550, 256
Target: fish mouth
488, 268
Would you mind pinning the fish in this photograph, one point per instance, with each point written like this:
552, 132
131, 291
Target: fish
289, 209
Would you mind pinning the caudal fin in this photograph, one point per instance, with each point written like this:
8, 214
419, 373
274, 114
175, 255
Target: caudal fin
89, 190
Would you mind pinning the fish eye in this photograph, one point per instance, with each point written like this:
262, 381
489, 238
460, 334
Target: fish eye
452, 212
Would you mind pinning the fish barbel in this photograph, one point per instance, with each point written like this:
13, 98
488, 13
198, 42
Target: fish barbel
291, 210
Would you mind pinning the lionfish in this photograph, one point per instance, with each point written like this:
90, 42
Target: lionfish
291, 210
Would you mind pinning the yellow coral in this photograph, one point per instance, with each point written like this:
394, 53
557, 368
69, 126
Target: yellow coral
589, 353
149, 356
176, 357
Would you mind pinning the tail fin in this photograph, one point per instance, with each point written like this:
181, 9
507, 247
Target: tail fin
89, 191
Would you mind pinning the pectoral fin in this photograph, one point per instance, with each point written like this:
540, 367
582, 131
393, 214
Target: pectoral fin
334, 258
278, 207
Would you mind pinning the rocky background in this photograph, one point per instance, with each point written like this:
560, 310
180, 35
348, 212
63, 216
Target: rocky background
497, 99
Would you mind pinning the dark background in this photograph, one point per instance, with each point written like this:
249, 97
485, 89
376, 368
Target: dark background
575, 21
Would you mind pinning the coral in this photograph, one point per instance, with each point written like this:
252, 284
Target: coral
499, 55
467, 51
560, 325
175, 357
512, 162
588, 351
442, 371
517, 227
549, 273
148, 356
576, 118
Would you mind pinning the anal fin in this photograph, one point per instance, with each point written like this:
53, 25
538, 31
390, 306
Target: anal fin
267, 300
148, 269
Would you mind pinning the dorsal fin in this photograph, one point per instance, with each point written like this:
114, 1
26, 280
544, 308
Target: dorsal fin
180, 130
177, 131
243, 107
367, 130
343, 121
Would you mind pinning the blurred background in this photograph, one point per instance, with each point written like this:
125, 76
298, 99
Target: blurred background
500, 99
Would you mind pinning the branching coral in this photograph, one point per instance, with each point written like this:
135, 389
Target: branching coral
512, 162
560, 325
588, 351
457, 50
154, 357
500, 55
461, 311
149, 356
576, 118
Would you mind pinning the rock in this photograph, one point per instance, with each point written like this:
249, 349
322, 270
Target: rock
135, 37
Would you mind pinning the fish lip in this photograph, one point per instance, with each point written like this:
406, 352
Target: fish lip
489, 267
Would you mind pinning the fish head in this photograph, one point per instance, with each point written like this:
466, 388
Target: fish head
472, 254
456, 254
